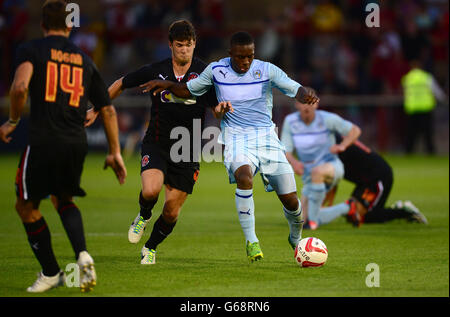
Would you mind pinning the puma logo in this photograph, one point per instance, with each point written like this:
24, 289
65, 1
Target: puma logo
245, 212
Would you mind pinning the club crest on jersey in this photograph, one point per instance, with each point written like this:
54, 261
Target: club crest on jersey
257, 74
192, 76
145, 160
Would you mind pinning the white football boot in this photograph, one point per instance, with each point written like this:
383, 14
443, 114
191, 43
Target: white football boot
44, 283
416, 215
148, 256
88, 277
137, 229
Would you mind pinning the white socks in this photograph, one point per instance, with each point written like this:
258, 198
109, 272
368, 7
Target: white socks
246, 213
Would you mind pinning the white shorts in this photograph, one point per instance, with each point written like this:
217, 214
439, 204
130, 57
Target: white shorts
265, 154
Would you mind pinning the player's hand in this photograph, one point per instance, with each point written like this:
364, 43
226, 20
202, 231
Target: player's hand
157, 85
298, 167
309, 96
91, 116
5, 130
337, 148
118, 166
222, 108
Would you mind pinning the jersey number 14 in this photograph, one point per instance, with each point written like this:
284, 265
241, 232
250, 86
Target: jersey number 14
73, 86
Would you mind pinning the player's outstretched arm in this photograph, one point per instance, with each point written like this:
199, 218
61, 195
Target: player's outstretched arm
114, 158
115, 89
306, 95
19, 94
178, 89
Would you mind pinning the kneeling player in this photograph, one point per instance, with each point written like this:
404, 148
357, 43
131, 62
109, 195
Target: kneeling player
373, 178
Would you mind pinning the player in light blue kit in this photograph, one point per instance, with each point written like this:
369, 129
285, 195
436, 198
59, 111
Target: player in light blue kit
245, 84
310, 133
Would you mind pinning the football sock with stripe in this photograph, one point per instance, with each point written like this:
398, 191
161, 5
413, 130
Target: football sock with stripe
316, 195
295, 221
328, 214
146, 206
161, 229
246, 212
40, 241
72, 222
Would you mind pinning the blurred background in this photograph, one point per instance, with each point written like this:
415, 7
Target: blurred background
324, 44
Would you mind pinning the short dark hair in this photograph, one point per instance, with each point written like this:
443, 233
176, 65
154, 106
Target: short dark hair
241, 38
54, 15
181, 30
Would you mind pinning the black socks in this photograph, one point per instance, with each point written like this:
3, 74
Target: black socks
71, 219
40, 242
161, 230
146, 206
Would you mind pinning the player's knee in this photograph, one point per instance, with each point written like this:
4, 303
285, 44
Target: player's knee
26, 211
319, 173
244, 181
151, 193
171, 213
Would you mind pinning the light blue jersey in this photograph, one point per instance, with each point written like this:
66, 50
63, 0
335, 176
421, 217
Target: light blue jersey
248, 133
249, 93
312, 141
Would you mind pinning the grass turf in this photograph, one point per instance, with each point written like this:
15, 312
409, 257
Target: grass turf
205, 254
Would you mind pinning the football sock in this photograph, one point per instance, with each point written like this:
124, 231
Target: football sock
295, 221
246, 212
161, 229
146, 206
315, 198
73, 224
40, 241
328, 214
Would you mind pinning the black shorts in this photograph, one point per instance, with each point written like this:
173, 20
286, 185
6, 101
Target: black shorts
374, 195
50, 170
181, 175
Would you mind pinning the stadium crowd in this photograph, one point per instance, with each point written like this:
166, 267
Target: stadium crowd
324, 44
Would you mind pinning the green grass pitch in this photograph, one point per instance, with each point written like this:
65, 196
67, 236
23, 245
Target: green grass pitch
205, 255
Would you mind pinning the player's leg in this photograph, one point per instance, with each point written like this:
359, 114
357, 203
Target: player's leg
320, 175
245, 207
165, 224
179, 181
39, 239
285, 187
153, 168
72, 222
152, 181
32, 184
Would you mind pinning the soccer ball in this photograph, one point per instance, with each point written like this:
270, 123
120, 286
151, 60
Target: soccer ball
311, 252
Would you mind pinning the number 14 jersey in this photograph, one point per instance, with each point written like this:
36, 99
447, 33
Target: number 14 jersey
64, 80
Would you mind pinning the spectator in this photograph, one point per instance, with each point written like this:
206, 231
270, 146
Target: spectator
420, 93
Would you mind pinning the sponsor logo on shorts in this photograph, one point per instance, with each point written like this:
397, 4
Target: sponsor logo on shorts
145, 160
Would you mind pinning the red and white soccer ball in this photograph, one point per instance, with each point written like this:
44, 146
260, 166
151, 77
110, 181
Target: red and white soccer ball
311, 252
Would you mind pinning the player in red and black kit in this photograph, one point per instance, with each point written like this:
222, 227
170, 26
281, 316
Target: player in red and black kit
373, 178
158, 164
60, 80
